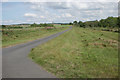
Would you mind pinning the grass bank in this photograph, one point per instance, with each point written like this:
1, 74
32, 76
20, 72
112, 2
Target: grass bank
13, 37
80, 53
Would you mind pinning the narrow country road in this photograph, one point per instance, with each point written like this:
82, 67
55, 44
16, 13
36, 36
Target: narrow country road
17, 64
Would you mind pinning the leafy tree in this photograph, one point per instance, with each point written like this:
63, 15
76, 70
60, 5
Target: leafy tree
70, 23
118, 22
34, 25
81, 24
3, 26
75, 22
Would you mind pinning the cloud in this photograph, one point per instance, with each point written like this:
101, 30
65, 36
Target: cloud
60, 0
30, 15
57, 5
42, 17
7, 21
73, 5
66, 15
68, 11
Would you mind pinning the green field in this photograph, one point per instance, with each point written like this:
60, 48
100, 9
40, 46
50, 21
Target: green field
16, 36
80, 53
59, 25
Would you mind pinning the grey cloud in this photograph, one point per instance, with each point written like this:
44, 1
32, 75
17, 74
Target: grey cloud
57, 5
79, 10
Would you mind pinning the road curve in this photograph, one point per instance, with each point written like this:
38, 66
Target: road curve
17, 64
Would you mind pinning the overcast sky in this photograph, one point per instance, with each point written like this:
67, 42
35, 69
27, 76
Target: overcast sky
41, 12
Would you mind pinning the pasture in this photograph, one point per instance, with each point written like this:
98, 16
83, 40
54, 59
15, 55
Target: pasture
80, 53
13, 36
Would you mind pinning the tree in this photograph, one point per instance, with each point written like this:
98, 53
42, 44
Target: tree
118, 22
81, 24
75, 22
109, 22
3, 26
34, 25
70, 23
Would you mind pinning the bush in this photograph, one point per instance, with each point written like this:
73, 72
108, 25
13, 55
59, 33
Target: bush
42, 25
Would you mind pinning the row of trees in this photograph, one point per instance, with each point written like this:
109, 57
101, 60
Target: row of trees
42, 25
109, 22
27, 25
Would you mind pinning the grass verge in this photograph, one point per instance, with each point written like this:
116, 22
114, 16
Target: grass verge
80, 53
13, 37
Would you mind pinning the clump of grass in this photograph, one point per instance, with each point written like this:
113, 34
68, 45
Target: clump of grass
104, 45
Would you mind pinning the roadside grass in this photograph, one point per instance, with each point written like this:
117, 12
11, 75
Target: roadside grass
13, 37
80, 53
0, 39
59, 25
